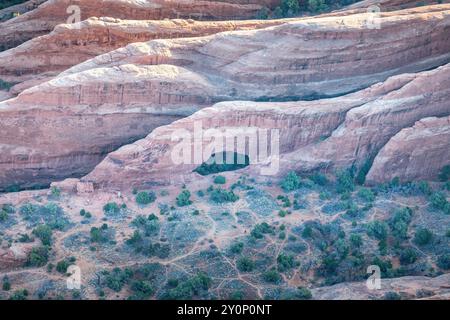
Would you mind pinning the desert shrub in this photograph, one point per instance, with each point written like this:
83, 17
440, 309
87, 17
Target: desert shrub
400, 221
245, 264
285, 262
147, 247
64, 264
142, 289
285, 202
236, 248
236, 295
366, 194
144, 198
111, 208
377, 229
356, 240
6, 284
55, 192
317, 5
303, 293
290, 182
44, 233
183, 199
443, 261
260, 230
444, 175
391, 295
195, 286
150, 225
220, 180
222, 196
423, 237
319, 179
38, 256
344, 181
117, 278
19, 295
271, 276
49, 214
408, 256
100, 235
438, 201
290, 7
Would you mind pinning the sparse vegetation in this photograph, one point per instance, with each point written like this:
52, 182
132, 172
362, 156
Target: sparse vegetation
222, 196
245, 264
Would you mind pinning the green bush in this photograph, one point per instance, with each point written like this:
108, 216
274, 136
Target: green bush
303, 293
187, 289
38, 256
144, 198
183, 199
408, 256
220, 180
392, 296
260, 230
290, 7
319, 179
236, 248
245, 264
111, 208
377, 229
438, 201
285, 262
63, 265
443, 261
356, 240
423, 237
223, 196
142, 289
344, 181
317, 5
6, 285
44, 233
271, 276
400, 221
444, 175
366, 194
19, 295
117, 278
290, 182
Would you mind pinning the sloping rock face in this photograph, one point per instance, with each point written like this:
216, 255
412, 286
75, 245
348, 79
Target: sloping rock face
409, 287
14, 257
329, 133
305, 59
368, 128
415, 153
69, 123
70, 44
53, 12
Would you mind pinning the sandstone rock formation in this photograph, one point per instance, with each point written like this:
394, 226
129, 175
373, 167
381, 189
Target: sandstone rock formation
69, 123
69, 44
368, 128
410, 287
53, 12
14, 257
329, 133
152, 160
414, 153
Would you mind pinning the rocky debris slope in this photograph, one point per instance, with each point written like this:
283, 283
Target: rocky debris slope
69, 44
53, 12
414, 153
119, 97
412, 287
